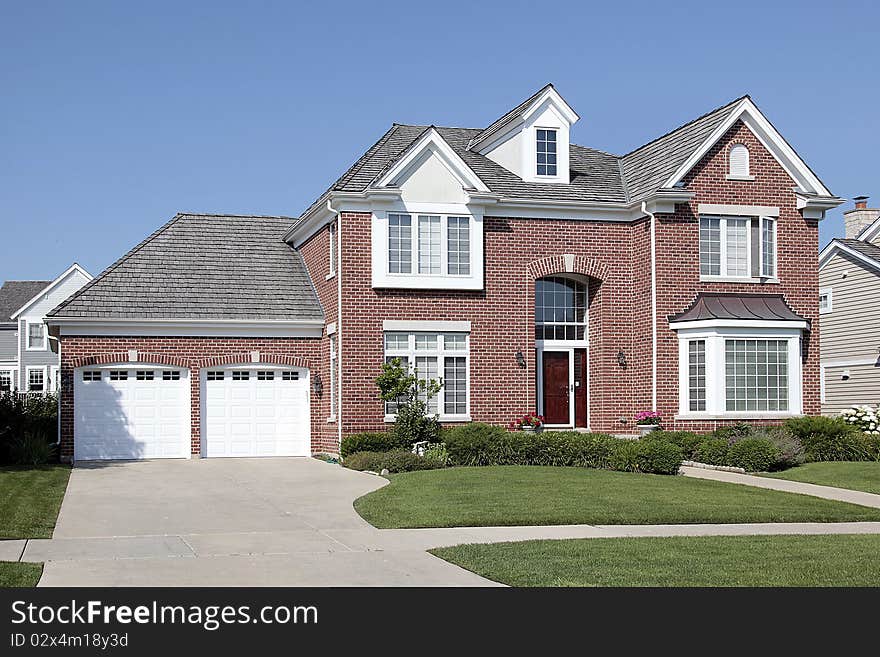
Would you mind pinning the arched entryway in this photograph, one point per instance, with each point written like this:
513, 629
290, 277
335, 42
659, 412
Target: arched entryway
562, 349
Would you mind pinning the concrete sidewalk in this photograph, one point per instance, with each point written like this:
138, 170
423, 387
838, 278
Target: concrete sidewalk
828, 492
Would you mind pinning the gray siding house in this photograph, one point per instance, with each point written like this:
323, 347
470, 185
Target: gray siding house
849, 313
29, 358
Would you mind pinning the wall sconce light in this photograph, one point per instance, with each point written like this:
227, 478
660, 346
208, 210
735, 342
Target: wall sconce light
520, 359
621, 359
317, 386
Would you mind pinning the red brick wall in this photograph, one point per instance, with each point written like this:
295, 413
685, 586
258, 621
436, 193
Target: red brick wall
678, 258
193, 353
502, 314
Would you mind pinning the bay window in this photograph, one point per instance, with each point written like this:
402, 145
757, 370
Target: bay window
739, 372
439, 356
441, 242
737, 247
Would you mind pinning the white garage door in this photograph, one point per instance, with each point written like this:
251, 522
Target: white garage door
137, 412
256, 411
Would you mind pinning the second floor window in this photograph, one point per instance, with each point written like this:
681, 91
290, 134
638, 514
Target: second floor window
546, 152
36, 336
439, 244
738, 247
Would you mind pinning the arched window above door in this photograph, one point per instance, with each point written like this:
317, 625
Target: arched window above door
560, 308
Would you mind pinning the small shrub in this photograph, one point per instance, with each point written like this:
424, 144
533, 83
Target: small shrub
437, 452
734, 432
364, 461
687, 441
625, 457
402, 460
791, 452
31, 448
472, 443
647, 456
810, 425
753, 454
369, 442
712, 451
400, 384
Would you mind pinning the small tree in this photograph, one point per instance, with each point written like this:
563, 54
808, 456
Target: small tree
402, 387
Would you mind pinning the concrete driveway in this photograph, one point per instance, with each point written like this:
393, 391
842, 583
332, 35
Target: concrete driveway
228, 522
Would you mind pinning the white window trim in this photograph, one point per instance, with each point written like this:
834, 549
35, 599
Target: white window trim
27, 378
546, 176
12, 374
27, 335
716, 387
739, 176
382, 277
723, 277
332, 243
830, 307
440, 353
54, 382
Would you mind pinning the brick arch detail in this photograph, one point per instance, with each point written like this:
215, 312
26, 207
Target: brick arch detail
121, 357
245, 359
576, 265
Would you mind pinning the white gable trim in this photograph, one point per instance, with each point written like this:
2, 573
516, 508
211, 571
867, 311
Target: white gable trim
764, 131
832, 248
870, 232
46, 290
431, 143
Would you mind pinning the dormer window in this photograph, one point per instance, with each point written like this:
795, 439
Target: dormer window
546, 151
739, 163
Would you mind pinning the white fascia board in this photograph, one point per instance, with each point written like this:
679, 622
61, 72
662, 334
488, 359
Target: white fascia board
187, 327
51, 286
739, 210
739, 323
829, 251
771, 139
870, 232
439, 326
503, 131
433, 142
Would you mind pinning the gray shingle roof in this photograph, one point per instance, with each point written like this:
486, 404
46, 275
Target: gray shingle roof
865, 248
595, 175
204, 267
14, 294
724, 305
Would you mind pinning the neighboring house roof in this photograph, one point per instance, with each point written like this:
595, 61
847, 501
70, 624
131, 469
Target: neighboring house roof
14, 294
723, 305
203, 267
867, 249
867, 252
53, 285
595, 175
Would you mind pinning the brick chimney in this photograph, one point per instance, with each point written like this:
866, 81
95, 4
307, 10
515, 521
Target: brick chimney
860, 217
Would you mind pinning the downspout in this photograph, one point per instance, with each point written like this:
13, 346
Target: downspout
58, 390
338, 245
653, 307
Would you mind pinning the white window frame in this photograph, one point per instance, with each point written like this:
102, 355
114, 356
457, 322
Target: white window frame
27, 336
829, 292
11, 372
27, 380
440, 353
724, 276
332, 237
383, 277
716, 384
555, 132
54, 380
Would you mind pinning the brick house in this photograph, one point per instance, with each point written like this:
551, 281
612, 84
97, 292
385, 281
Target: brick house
524, 271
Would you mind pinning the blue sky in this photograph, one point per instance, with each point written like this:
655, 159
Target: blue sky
114, 116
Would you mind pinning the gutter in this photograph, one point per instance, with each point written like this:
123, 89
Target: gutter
653, 307
338, 400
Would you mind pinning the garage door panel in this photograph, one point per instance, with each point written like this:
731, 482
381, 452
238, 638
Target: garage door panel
255, 412
130, 418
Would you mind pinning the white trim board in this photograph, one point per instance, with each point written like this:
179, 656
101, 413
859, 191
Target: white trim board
739, 210
46, 290
428, 326
828, 252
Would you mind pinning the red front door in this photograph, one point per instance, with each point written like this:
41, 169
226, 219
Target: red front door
556, 390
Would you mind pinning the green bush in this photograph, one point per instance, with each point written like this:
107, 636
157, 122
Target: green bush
395, 460
437, 452
369, 442
687, 441
791, 451
712, 451
472, 443
23, 419
647, 456
753, 454
734, 432
33, 447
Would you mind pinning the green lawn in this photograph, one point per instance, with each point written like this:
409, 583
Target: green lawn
842, 474
845, 560
15, 574
30, 498
532, 495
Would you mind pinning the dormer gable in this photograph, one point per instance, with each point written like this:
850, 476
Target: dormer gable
532, 140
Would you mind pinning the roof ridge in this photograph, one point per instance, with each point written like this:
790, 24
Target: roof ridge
684, 125
177, 217
234, 216
497, 123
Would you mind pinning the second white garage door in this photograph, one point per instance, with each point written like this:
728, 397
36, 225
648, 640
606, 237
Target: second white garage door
256, 411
